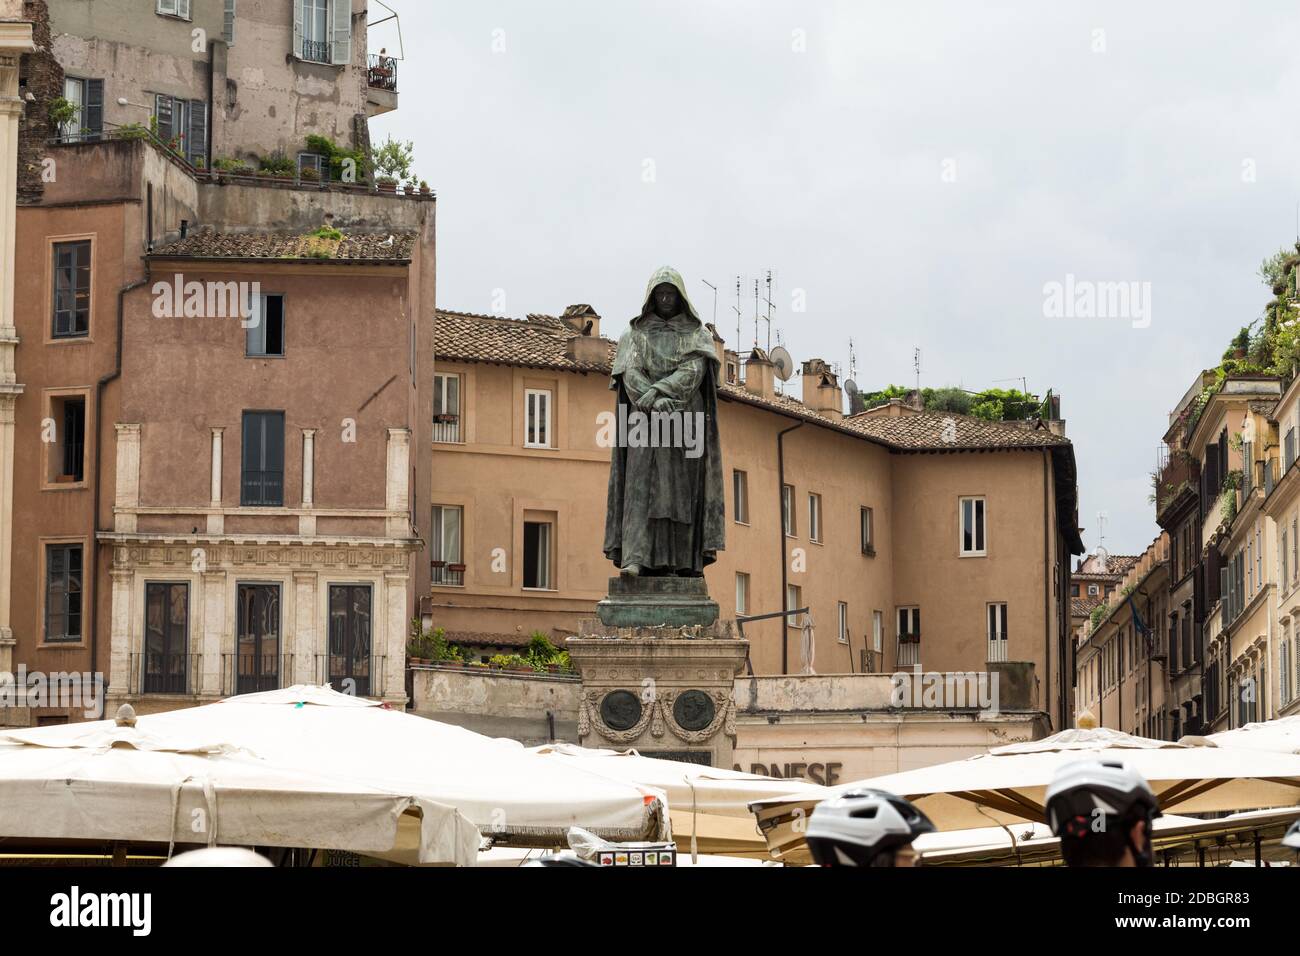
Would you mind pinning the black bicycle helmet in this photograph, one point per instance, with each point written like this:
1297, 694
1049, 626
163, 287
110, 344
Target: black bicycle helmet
1092, 806
863, 828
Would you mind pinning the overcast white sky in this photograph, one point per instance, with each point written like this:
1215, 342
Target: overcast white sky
1155, 143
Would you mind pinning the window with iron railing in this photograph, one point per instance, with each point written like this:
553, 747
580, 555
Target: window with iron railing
997, 632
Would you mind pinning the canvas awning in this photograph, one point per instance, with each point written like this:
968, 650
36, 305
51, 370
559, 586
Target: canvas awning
708, 806
1007, 784
1281, 736
511, 796
101, 782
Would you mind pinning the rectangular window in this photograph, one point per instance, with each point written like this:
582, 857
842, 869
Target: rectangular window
1295, 543
446, 545
265, 333
315, 30
166, 638
742, 593
537, 418
909, 622
228, 23
997, 632
87, 100
350, 639
66, 455
1282, 557
71, 289
174, 8
877, 631
537, 556
909, 637
844, 623
262, 482
866, 521
787, 509
183, 127
740, 495
257, 647
318, 164
815, 518
446, 408
972, 527
793, 602
62, 593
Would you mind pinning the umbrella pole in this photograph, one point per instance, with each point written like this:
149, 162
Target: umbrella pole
1200, 855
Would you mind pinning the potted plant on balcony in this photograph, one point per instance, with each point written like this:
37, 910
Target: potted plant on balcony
424, 188
392, 162
445, 419
61, 112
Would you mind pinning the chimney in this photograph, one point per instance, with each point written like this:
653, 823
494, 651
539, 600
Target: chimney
760, 374
821, 389
583, 319
719, 345
586, 347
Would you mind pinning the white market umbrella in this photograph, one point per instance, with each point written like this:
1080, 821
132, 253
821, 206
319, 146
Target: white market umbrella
121, 784
1008, 784
509, 794
708, 806
1281, 736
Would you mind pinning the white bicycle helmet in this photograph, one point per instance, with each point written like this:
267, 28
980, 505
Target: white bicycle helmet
1083, 792
1292, 838
863, 828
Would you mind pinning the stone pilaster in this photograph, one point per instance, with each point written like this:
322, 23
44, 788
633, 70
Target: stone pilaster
398, 485
15, 39
127, 494
394, 642
304, 641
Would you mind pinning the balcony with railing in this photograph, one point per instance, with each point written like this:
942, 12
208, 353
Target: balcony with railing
909, 650
450, 575
251, 673
997, 649
1177, 477
159, 673
446, 429
381, 72
381, 84
356, 674
317, 51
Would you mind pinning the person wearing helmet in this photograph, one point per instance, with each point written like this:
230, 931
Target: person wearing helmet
1292, 838
865, 828
1103, 813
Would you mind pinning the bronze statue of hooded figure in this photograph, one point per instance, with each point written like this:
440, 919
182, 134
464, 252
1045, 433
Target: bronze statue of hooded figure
665, 506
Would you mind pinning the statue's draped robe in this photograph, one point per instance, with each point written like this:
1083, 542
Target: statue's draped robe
665, 510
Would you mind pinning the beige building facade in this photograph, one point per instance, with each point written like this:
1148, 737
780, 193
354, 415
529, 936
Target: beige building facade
913, 538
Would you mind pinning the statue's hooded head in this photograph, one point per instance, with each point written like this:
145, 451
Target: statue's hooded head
670, 277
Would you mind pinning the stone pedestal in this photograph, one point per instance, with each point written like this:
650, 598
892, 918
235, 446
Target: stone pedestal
658, 672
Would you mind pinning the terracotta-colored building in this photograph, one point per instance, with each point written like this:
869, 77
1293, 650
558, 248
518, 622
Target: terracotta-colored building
876, 522
220, 460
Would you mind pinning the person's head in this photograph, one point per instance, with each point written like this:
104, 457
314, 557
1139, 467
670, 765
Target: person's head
667, 300
1102, 812
865, 828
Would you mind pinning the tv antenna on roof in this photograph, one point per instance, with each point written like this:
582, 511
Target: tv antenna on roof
736, 309
916, 364
715, 300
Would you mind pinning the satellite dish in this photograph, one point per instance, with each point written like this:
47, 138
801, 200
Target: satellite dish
851, 388
783, 362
